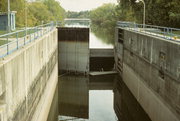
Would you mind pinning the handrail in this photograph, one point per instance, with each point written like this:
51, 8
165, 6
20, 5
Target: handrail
15, 40
158, 31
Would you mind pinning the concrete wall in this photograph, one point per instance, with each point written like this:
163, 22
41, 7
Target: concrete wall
101, 52
24, 75
101, 59
74, 56
73, 49
151, 71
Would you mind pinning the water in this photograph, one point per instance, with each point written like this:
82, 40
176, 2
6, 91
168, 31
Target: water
97, 39
96, 42
101, 105
82, 98
100, 98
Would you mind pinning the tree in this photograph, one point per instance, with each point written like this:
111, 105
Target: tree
104, 16
56, 10
39, 12
81, 14
158, 12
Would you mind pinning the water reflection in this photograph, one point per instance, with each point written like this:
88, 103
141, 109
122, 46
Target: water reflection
73, 96
99, 98
99, 37
125, 105
104, 34
96, 42
101, 105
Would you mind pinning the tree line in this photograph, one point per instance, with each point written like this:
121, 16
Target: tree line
81, 14
38, 12
158, 12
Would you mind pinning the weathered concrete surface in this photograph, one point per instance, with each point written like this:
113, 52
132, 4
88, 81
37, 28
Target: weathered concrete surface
44, 106
74, 56
101, 60
152, 104
24, 76
73, 49
101, 52
151, 71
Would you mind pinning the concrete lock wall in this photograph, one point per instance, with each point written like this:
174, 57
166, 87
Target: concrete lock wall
73, 49
101, 59
151, 71
24, 76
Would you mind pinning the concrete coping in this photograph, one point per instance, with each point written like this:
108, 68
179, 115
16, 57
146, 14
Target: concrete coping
149, 35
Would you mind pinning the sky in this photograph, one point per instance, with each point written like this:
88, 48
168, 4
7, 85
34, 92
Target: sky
82, 5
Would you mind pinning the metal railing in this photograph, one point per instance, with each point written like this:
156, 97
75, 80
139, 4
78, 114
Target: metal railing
13, 41
158, 31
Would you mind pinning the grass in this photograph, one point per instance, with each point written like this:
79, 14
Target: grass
2, 32
20, 34
176, 32
2, 42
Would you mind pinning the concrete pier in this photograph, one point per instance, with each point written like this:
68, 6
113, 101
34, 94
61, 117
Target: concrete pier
73, 49
25, 77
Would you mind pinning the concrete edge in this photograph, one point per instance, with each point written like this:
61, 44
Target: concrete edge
20, 50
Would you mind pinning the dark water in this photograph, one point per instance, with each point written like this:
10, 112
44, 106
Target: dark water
100, 98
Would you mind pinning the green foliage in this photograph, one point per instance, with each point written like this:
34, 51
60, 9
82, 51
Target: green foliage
158, 12
56, 10
3, 5
2, 42
37, 12
15, 5
104, 16
104, 20
104, 34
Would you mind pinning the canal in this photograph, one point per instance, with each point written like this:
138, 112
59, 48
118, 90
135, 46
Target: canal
94, 98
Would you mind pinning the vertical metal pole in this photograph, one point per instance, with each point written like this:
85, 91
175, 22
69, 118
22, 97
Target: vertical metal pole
144, 19
9, 16
25, 11
25, 37
26, 16
17, 40
7, 44
30, 37
34, 33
